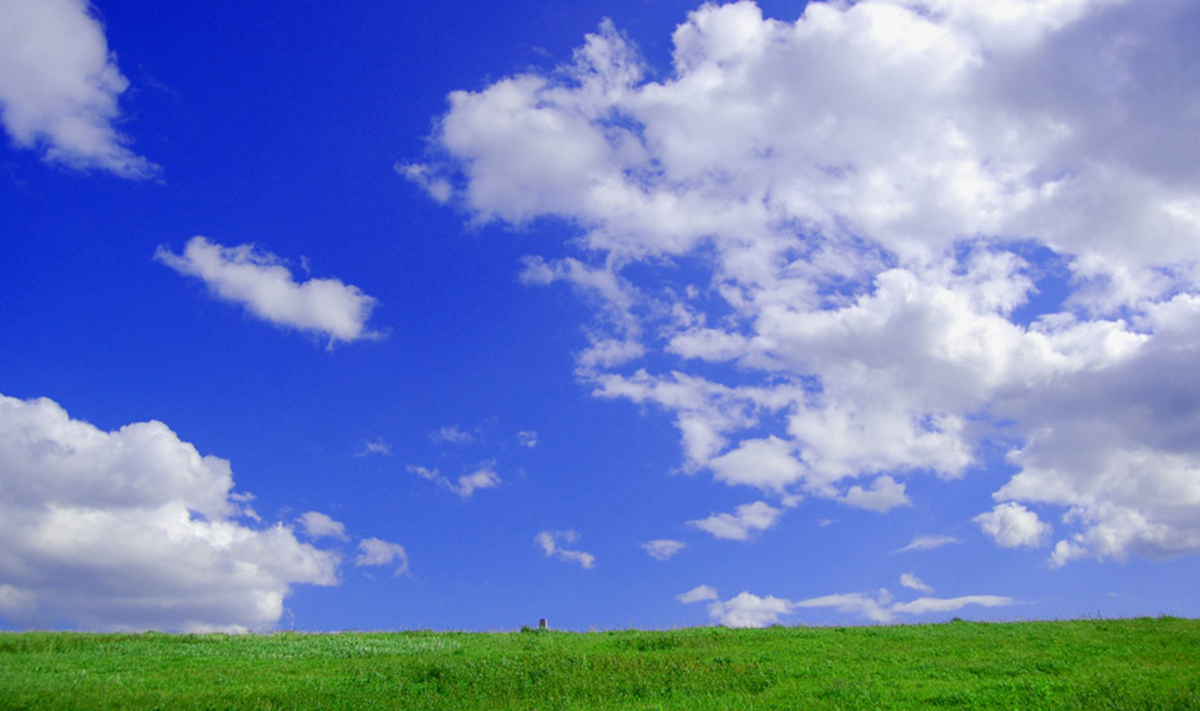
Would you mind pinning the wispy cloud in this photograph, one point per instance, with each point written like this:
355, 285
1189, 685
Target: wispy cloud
451, 434
663, 549
550, 542
749, 610
928, 543
375, 447
483, 477
376, 552
880, 608
912, 582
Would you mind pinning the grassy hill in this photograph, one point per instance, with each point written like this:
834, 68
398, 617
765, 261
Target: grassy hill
1095, 664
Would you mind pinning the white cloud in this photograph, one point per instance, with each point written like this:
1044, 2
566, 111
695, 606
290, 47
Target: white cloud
527, 438
378, 446
705, 411
868, 201
452, 434
742, 610
700, 593
768, 464
741, 525
261, 283
550, 543
912, 582
880, 608
619, 341
1117, 448
857, 604
883, 496
1066, 551
375, 552
134, 529
318, 525
484, 477
1012, 525
662, 549
927, 543
59, 86
749, 610
438, 188
427, 474
927, 605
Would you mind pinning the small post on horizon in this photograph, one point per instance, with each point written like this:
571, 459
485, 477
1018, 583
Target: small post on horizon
543, 625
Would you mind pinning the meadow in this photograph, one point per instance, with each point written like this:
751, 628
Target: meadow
1088, 664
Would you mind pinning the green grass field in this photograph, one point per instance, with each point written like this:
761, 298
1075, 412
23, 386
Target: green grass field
1095, 664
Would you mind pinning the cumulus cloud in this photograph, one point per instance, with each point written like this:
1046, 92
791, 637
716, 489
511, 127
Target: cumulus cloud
909, 227
550, 542
261, 283
748, 610
662, 549
742, 524
376, 552
765, 463
1012, 525
318, 525
883, 496
60, 85
134, 529
742, 610
527, 439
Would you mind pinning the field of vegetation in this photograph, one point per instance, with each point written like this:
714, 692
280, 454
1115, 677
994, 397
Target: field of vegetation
1095, 664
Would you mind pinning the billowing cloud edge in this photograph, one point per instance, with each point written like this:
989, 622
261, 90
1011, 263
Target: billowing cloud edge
60, 88
921, 246
135, 529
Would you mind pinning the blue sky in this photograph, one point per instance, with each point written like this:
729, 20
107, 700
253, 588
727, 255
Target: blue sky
630, 313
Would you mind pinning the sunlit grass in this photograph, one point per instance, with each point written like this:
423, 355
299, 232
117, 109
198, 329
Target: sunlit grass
1094, 664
